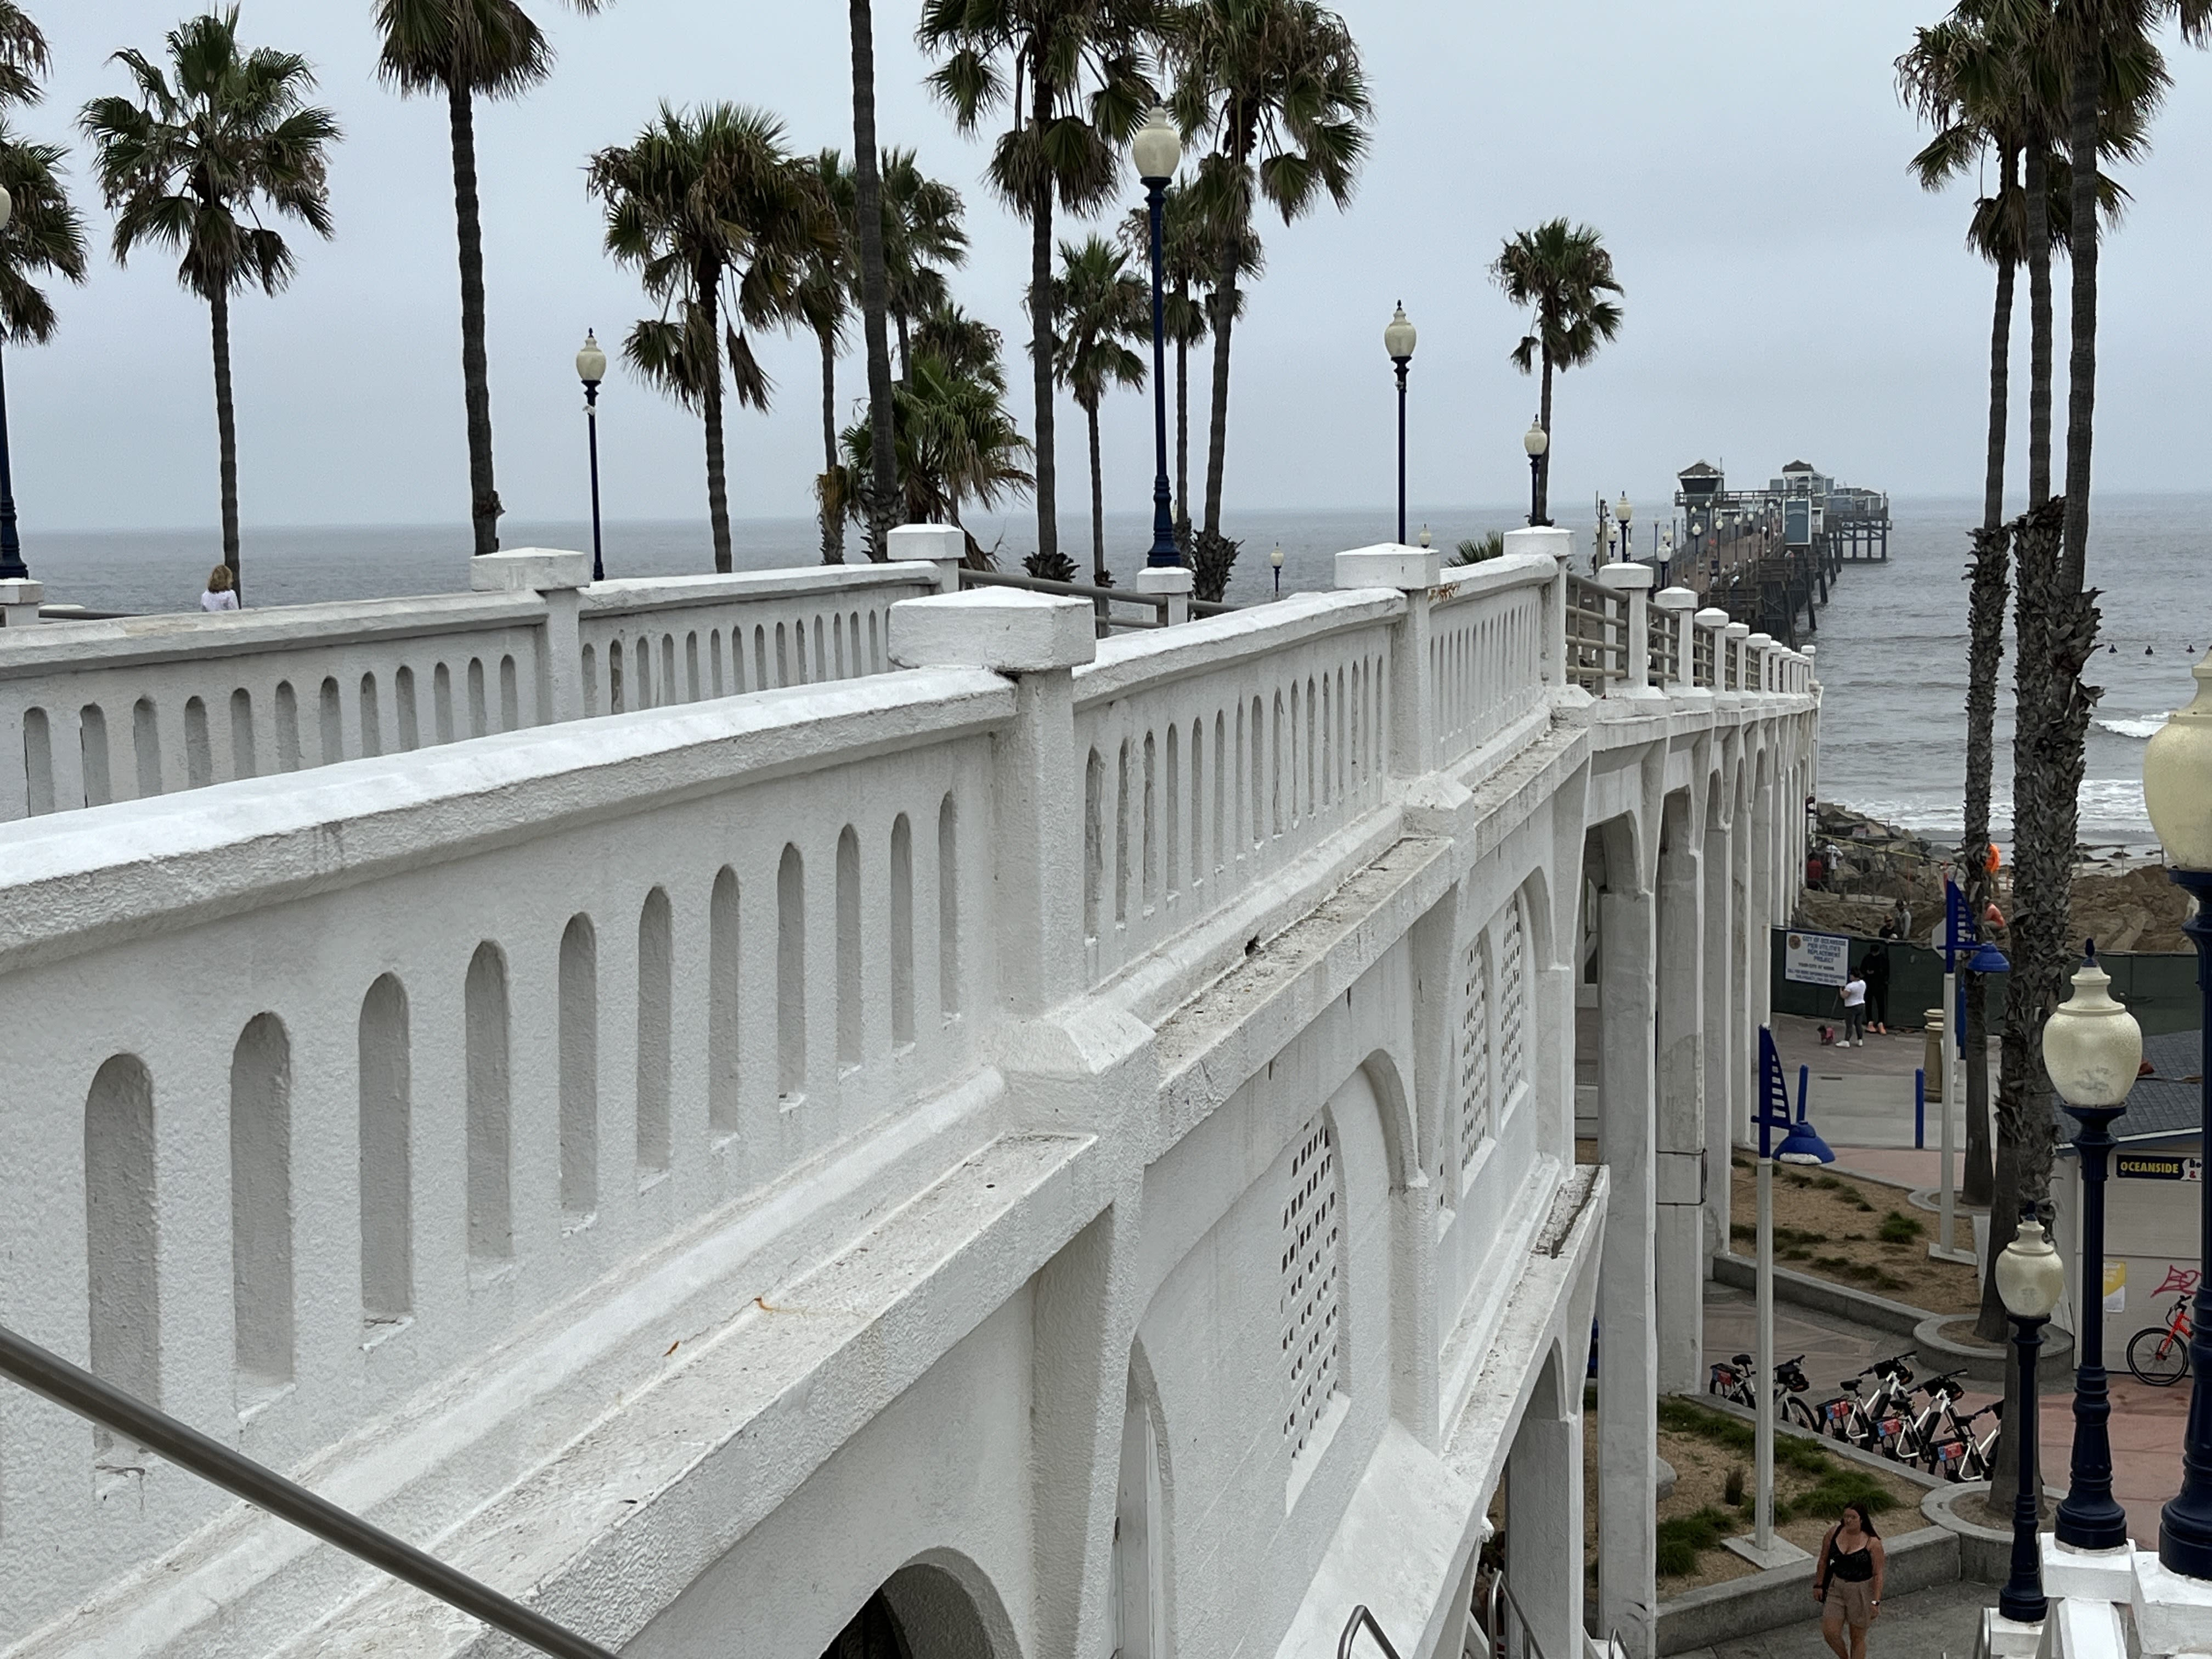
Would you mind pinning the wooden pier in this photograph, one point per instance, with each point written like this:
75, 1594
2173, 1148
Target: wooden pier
1769, 557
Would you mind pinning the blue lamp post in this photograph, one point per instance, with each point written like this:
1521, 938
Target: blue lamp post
1801, 1146
2178, 788
1158, 150
2092, 1048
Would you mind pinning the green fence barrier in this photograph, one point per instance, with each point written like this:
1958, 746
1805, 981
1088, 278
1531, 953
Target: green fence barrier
2159, 987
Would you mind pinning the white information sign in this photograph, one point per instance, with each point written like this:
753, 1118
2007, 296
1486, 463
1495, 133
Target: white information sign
1817, 958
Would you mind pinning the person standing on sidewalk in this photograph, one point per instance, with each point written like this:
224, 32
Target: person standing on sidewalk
1854, 994
1848, 1581
1873, 968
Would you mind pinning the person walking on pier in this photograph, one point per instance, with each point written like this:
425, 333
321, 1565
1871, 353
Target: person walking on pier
1848, 1581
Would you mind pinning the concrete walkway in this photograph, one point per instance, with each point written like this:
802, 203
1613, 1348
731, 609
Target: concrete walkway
1933, 1623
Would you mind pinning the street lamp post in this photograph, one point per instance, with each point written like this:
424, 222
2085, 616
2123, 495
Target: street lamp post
2178, 788
1158, 149
1398, 340
1623, 511
1276, 560
592, 369
1536, 443
12, 568
2031, 1278
2092, 1048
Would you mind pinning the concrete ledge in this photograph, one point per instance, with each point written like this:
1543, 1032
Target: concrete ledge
1947, 1342
1823, 1296
1984, 1552
1843, 1448
1783, 1596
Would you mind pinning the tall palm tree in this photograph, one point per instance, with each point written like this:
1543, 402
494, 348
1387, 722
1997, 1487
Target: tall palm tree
43, 234
719, 220
923, 235
1080, 65
823, 303
968, 346
954, 440
1102, 306
23, 58
1276, 88
1561, 273
881, 496
195, 162
465, 50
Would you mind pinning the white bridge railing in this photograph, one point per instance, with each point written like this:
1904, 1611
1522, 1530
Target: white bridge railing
316, 1088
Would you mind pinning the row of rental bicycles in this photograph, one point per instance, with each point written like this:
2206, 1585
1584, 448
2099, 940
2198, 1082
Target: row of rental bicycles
1883, 1409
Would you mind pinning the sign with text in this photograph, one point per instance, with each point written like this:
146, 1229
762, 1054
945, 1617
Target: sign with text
2157, 1166
1817, 958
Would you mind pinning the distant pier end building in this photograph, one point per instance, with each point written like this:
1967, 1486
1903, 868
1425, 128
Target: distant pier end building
1767, 556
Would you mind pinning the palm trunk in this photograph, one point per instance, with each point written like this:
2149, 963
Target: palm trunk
875, 285
1098, 506
833, 524
1990, 585
710, 401
905, 350
1041, 320
1182, 436
226, 428
2037, 186
1543, 461
476, 371
2081, 391
1224, 314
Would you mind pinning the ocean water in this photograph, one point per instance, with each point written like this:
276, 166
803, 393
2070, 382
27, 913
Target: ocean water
1893, 646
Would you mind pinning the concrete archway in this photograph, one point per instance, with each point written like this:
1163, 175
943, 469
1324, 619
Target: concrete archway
938, 1605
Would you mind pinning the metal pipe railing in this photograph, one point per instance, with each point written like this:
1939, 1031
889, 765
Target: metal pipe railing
1361, 1616
77, 1390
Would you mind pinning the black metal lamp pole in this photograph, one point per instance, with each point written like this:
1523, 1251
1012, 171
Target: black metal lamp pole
2185, 1526
1403, 364
1535, 484
12, 568
2021, 1598
592, 369
2091, 1518
1164, 552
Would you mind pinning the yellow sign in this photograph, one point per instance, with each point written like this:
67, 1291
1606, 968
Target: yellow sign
2116, 1287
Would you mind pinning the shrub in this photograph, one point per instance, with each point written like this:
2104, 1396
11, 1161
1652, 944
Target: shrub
1681, 1539
1899, 1229
1732, 1490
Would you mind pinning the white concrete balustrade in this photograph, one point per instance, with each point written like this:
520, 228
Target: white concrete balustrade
94, 712
1077, 1137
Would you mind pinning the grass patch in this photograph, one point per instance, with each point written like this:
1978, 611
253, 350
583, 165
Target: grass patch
1818, 1486
1684, 1537
1897, 1228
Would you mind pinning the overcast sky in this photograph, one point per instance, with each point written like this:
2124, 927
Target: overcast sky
1789, 291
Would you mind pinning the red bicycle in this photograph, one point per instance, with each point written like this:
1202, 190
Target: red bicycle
2159, 1354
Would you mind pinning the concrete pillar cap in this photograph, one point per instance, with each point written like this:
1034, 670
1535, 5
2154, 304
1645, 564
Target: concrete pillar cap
933, 543
1739, 630
1005, 629
529, 570
1761, 642
1712, 616
1675, 598
1626, 578
1408, 569
1546, 538
1165, 579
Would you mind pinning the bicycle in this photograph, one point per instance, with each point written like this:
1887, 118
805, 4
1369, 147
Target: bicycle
1731, 1380
2159, 1354
1870, 1424
1966, 1458
1917, 1435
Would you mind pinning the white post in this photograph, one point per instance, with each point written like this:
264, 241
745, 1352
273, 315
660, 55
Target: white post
1679, 604
19, 602
555, 575
1714, 621
1953, 1092
1761, 656
1634, 580
1732, 639
942, 546
1414, 571
1172, 581
1560, 545
1763, 1443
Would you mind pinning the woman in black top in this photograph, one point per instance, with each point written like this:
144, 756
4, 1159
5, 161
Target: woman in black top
1847, 1583
1873, 968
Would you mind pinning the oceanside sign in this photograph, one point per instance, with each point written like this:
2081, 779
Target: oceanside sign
2157, 1166
1817, 958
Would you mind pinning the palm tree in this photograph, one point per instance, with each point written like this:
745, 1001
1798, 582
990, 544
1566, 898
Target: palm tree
1561, 273
1103, 306
45, 233
922, 235
875, 282
465, 50
1278, 89
966, 346
1081, 66
954, 441
192, 165
23, 59
823, 303
719, 220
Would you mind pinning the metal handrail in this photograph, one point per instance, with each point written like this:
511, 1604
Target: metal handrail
78, 1390
1361, 1616
1501, 1595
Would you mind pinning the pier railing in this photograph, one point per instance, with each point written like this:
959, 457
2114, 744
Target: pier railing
1597, 635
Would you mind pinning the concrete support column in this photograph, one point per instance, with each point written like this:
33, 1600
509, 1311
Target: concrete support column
19, 602
1735, 677
1682, 1067
1559, 545
1761, 646
1172, 582
1628, 1356
944, 546
556, 575
1544, 1519
1678, 603
1721, 1036
1633, 581
1712, 623
1414, 571
1036, 640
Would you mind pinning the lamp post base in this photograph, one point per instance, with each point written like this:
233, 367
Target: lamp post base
1779, 1551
